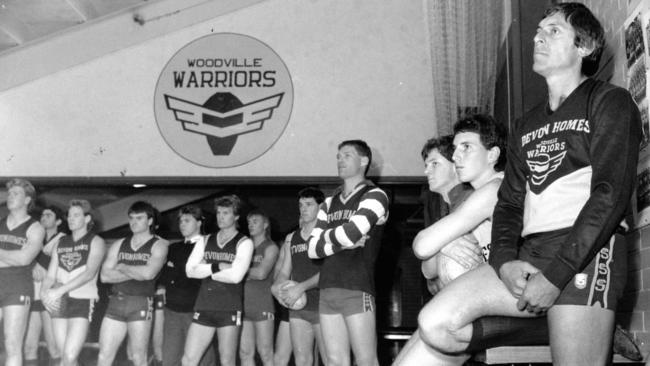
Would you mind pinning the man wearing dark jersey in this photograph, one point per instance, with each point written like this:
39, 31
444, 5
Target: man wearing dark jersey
348, 235
131, 265
298, 267
570, 173
21, 239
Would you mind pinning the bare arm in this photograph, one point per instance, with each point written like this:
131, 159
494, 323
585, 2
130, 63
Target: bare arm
477, 208
282, 267
109, 274
263, 270
26, 254
150, 270
237, 270
50, 278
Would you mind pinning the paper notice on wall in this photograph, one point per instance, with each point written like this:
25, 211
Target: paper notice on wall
642, 202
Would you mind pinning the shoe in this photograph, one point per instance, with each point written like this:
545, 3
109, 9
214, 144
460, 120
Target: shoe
625, 346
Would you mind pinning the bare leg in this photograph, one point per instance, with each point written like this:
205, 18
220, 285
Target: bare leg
247, 344
15, 324
363, 338
34, 325
580, 335
320, 343
445, 323
283, 346
77, 329
264, 340
111, 335
302, 339
337, 343
228, 341
139, 333
48, 334
198, 339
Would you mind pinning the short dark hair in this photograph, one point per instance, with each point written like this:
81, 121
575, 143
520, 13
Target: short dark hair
362, 149
312, 192
589, 32
491, 133
58, 213
193, 211
259, 212
444, 145
147, 208
231, 201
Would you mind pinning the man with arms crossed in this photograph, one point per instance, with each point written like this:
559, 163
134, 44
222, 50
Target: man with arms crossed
298, 267
348, 235
131, 265
569, 178
21, 238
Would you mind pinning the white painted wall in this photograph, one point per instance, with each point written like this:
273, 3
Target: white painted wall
360, 69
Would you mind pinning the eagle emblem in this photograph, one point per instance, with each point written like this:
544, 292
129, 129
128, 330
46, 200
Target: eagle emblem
70, 260
543, 166
223, 117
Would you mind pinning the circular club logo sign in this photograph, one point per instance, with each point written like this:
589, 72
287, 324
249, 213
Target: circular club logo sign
223, 100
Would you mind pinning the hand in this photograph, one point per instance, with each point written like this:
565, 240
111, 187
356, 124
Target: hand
293, 293
514, 275
539, 294
276, 290
38, 273
51, 295
359, 244
222, 266
434, 285
465, 251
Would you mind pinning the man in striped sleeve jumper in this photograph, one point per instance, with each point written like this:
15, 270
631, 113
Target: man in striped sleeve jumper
348, 235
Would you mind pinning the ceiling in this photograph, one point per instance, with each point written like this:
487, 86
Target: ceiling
25, 21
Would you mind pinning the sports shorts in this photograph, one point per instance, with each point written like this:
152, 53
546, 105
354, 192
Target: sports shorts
129, 308
77, 308
217, 319
599, 284
281, 312
16, 286
258, 316
37, 306
345, 302
158, 301
309, 316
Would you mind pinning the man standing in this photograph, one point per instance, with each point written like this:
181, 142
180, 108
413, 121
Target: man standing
569, 178
298, 267
348, 235
131, 265
21, 239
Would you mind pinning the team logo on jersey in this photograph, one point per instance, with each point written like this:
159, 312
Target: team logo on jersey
223, 100
544, 165
70, 260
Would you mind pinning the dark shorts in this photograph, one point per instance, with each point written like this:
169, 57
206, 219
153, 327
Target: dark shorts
345, 302
258, 316
599, 284
37, 306
217, 319
281, 313
16, 288
158, 301
127, 308
309, 316
77, 308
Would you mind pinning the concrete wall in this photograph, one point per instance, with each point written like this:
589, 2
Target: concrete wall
360, 69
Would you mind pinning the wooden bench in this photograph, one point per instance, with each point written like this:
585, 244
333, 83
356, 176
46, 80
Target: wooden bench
526, 355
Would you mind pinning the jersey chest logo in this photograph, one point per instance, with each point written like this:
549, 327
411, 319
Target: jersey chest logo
70, 260
543, 165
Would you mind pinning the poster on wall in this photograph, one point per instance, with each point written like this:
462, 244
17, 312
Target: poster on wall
637, 55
